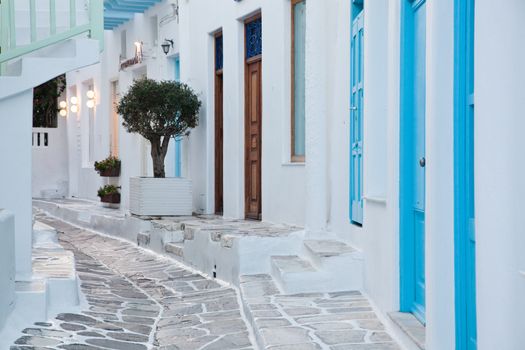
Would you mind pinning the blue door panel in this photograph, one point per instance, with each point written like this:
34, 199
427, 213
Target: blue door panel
178, 140
412, 157
356, 120
464, 211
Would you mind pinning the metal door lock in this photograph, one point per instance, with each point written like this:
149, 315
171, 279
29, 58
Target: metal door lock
422, 162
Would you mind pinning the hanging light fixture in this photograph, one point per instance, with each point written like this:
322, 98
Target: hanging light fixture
167, 46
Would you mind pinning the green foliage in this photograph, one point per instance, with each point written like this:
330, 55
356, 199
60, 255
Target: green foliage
166, 108
109, 163
45, 102
159, 110
108, 189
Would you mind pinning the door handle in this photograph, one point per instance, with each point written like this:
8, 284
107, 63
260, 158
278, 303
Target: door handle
422, 162
353, 108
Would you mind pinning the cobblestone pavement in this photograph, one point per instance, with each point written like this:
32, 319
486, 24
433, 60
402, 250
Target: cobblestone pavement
311, 321
138, 301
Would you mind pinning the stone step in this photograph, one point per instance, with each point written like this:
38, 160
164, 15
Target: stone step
323, 266
175, 249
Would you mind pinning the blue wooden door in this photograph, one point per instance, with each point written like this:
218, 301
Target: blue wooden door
413, 161
356, 120
178, 140
465, 236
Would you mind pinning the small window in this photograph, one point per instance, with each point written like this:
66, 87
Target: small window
298, 79
123, 45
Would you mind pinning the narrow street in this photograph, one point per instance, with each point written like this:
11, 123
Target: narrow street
137, 300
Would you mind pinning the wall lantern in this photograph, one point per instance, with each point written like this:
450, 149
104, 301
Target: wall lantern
74, 104
63, 108
168, 44
90, 94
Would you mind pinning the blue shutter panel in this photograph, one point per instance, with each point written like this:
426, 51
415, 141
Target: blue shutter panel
178, 143
356, 120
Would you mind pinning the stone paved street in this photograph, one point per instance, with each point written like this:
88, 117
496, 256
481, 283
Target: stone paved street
138, 301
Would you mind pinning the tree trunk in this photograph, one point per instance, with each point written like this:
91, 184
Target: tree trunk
159, 149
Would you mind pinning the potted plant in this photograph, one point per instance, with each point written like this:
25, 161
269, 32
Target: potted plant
109, 194
109, 167
160, 111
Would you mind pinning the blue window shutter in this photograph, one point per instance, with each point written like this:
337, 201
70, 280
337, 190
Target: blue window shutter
178, 145
356, 120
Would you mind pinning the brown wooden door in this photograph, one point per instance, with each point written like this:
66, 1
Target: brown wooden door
253, 141
219, 202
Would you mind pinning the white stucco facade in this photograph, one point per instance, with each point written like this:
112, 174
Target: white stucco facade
315, 194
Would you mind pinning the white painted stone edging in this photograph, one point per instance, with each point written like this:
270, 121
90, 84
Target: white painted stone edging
160, 197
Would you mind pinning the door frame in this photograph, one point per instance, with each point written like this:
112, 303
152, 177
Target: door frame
406, 236
356, 112
463, 166
247, 63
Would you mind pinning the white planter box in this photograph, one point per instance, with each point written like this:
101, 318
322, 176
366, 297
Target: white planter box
160, 197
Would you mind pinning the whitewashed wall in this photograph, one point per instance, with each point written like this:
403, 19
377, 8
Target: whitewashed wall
15, 178
7, 265
499, 171
50, 163
134, 150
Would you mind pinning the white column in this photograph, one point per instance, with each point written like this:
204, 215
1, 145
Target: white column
317, 65
439, 227
15, 178
500, 173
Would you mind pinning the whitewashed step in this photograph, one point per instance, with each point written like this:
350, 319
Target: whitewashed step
31, 299
294, 275
330, 254
175, 249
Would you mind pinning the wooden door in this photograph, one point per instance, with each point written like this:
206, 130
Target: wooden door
219, 157
252, 119
219, 125
253, 141
413, 160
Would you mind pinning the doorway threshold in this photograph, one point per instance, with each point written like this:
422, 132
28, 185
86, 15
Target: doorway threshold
411, 326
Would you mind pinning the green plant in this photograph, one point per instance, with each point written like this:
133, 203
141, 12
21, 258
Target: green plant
110, 162
45, 102
159, 111
107, 190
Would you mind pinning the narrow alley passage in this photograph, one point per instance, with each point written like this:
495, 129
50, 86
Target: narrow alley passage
138, 301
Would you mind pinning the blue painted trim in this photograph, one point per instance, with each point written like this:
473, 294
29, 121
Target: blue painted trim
178, 140
178, 154
118, 12
406, 144
356, 217
464, 254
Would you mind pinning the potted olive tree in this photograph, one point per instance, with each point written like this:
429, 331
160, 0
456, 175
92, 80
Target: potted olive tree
160, 111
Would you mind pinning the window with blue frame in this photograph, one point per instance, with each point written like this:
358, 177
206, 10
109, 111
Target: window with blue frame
298, 79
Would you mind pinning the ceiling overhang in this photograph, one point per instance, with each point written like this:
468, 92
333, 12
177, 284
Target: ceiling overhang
117, 12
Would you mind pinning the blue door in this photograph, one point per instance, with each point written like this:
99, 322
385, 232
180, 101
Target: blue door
465, 239
356, 120
178, 140
413, 162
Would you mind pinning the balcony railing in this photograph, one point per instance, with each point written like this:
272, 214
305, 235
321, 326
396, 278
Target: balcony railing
9, 49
